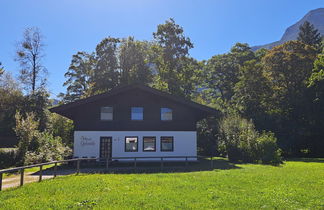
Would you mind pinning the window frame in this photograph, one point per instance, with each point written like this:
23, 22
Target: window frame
154, 137
131, 113
172, 144
112, 113
161, 114
136, 144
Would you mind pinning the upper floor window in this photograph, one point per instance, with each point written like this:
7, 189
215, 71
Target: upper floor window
106, 113
166, 114
137, 113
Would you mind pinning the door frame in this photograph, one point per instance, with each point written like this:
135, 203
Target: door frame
109, 142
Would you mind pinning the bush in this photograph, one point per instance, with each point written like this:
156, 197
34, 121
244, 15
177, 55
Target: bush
240, 141
35, 146
8, 157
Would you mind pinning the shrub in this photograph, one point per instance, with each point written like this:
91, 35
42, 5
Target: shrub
8, 157
240, 141
35, 146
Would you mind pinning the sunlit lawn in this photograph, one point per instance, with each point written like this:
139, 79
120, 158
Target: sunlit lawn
294, 185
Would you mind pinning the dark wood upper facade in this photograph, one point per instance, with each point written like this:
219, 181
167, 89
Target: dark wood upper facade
86, 112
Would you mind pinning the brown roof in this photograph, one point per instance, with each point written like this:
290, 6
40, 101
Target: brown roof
65, 107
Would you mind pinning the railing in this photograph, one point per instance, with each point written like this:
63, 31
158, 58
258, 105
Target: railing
107, 161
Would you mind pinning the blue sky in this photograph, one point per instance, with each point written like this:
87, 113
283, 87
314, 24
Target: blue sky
79, 25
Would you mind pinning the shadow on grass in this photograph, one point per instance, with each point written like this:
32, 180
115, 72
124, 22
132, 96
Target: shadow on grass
116, 167
307, 160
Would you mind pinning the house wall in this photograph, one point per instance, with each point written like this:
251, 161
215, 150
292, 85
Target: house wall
87, 143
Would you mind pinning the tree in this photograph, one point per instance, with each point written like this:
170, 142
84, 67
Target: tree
134, 61
222, 71
171, 50
78, 77
29, 54
308, 34
287, 68
106, 73
1, 69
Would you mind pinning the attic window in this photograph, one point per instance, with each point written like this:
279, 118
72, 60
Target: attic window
106, 113
166, 114
137, 113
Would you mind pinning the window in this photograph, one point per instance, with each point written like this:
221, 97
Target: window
137, 113
149, 144
166, 143
106, 113
131, 143
166, 114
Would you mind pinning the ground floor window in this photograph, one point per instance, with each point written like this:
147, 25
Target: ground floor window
166, 143
131, 144
149, 144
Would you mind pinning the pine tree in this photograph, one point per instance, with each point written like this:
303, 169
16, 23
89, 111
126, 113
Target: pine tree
309, 35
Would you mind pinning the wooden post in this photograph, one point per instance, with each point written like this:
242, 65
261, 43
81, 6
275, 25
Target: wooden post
107, 163
135, 164
78, 166
211, 162
187, 162
0, 181
55, 169
40, 173
161, 163
21, 177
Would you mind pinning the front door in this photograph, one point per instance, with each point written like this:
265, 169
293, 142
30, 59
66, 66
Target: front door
105, 147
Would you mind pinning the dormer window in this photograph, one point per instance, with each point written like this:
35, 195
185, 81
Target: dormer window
166, 114
137, 113
106, 113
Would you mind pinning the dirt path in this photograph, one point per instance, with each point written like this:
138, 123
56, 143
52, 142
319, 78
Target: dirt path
14, 181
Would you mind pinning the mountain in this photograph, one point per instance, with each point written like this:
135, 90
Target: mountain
315, 17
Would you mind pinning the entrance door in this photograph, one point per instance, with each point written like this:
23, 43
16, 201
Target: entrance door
105, 147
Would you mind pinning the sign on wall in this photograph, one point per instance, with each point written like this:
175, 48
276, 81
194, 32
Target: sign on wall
86, 141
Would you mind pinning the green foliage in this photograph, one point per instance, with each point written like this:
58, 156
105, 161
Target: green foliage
8, 157
240, 141
49, 148
61, 127
309, 35
35, 146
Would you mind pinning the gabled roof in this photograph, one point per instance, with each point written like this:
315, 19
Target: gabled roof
65, 107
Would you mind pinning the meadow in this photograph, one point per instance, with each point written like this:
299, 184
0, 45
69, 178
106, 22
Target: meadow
297, 184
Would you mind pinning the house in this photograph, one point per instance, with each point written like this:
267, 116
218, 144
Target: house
135, 121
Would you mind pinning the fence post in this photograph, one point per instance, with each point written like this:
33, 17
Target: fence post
40, 173
21, 177
187, 162
55, 169
78, 166
107, 163
0, 181
161, 163
211, 162
135, 164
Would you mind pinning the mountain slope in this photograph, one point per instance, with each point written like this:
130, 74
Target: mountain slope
315, 17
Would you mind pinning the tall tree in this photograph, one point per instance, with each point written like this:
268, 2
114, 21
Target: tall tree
222, 71
78, 77
134, 62
106, 73
308, 34
29, 54
171, 51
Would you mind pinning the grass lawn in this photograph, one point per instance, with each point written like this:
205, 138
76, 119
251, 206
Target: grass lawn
297, 184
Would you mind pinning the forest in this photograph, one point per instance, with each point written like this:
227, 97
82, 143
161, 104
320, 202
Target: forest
275, 94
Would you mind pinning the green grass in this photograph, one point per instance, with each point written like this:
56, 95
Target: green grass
297, 184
